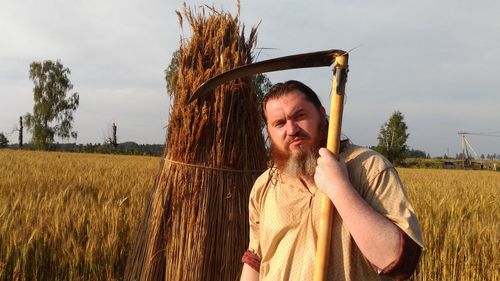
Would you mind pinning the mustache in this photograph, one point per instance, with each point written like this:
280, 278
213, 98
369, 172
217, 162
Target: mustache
299, 134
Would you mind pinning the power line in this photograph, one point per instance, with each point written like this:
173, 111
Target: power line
485, 134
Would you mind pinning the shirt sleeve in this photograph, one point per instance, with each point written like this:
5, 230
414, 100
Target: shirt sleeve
382, 188
385, 193
253, 255
254, 221
251, 259
402, 268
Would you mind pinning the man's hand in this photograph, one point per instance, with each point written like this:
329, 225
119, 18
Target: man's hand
331, 174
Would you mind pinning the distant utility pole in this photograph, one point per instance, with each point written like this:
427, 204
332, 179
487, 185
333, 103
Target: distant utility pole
20, 132
114, 141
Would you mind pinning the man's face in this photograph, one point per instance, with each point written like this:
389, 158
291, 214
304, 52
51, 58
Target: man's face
293, 125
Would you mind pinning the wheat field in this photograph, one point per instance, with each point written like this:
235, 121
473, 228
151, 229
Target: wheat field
459, 211
68, 216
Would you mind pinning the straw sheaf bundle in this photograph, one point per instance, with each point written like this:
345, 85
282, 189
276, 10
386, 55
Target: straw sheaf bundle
196, 222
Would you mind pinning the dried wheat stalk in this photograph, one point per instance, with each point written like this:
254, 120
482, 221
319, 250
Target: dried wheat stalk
195, 226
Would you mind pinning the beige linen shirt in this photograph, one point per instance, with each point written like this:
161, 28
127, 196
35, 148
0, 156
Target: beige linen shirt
284, 220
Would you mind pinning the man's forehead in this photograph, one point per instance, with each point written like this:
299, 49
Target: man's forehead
288, 103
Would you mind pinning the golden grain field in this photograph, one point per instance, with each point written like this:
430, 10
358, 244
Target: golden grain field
67, 216
459, 211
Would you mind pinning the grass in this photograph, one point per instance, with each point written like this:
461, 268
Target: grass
66, 216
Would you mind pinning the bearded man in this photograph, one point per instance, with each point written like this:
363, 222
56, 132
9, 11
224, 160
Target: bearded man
375, 235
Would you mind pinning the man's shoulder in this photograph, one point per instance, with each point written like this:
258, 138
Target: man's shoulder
262, 182
263, 178
358, 156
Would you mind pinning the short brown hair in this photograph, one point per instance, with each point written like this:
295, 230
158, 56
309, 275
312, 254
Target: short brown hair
280, 89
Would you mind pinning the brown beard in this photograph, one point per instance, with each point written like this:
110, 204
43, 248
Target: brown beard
303, 163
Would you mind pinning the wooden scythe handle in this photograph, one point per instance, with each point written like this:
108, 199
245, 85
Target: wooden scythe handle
333, 144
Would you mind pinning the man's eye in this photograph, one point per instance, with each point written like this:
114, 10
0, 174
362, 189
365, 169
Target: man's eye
279, 124
299, 116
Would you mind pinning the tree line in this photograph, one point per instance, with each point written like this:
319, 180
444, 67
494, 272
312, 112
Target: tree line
125, 148
55, 103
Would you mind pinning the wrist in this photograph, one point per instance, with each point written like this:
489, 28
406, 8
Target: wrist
342, 189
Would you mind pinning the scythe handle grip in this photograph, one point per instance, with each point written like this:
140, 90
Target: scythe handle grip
333, 144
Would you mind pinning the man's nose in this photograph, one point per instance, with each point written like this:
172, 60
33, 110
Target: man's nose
292, 128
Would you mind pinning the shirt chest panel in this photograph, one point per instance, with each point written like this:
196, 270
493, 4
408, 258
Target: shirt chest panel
289, 226
288, 213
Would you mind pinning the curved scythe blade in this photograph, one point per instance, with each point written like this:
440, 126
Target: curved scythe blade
315, 59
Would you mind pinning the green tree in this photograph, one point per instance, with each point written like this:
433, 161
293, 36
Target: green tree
415, 153
3, 141
392, 138
172, 73
54, 105
261, 85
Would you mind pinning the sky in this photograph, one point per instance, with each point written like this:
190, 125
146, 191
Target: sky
438, 62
